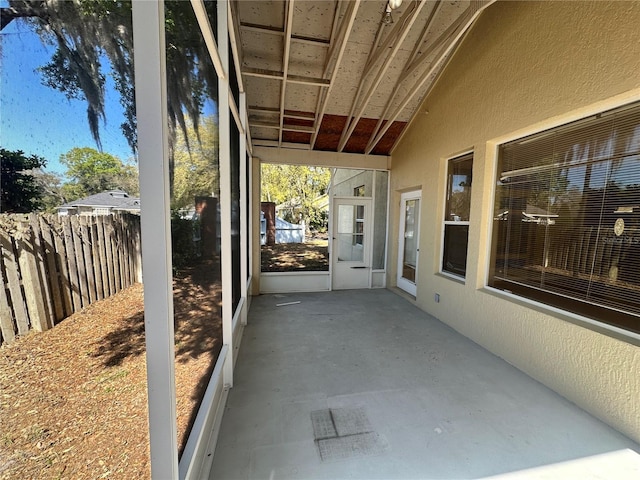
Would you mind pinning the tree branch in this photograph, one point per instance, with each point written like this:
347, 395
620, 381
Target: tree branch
8, 14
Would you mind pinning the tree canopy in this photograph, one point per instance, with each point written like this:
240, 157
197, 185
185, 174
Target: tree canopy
299, 186
195, 171
90, 171
20, 191
86, 32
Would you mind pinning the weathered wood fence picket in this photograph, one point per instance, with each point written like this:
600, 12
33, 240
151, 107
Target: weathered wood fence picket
54, 266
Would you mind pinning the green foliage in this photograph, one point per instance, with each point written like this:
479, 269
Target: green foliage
51, 185
195, 165
85, 32
19, 189
184, 247
90, 172
298, 187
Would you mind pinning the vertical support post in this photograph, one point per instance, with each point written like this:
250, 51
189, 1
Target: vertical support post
256, 182
226, 260
373, 223
244, 211
151, 111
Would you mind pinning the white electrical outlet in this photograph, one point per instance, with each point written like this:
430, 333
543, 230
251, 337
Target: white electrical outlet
437, 297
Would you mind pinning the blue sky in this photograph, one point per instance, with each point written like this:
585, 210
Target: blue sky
39, 120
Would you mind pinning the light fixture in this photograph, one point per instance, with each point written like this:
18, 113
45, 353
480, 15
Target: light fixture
387, 19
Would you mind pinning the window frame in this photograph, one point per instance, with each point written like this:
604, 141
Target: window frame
462, 157
607, 319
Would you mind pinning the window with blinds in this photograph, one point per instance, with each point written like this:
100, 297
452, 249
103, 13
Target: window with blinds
456, 216
566, 223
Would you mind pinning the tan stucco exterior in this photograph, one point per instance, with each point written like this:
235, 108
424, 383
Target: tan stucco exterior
524, 67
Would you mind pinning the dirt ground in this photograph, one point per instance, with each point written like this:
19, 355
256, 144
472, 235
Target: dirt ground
73, 400
295, 257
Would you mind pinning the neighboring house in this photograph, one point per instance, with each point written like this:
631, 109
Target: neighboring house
103, 203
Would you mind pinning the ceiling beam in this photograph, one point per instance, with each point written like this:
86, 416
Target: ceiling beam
209, 39
258, 124
234, 36
299, 115
287, 113
318, 42
357, 112
270, 110
263, 142
285, 60
263, 73
291, 156
423, 35
318, 82
275, 75
297, 128
379, 50
471, 14
330, 60
276, 126
415, 53
252, 27
341, 44
451, 31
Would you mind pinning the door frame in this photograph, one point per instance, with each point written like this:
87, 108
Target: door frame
365, 265
401, 282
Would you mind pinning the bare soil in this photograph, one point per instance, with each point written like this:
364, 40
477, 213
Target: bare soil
73, 400
295, 257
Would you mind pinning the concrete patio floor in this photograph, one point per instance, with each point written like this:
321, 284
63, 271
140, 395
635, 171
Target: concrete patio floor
362, 384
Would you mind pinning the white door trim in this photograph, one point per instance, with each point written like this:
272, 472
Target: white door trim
403, 283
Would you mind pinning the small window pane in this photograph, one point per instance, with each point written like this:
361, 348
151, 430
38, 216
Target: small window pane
410, 253
458, 206
350, 233
455, 249
459, 189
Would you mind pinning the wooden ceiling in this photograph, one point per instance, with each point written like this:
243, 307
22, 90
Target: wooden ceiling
334, 75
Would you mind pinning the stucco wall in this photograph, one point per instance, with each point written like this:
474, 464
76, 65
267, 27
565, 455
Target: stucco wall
524, 67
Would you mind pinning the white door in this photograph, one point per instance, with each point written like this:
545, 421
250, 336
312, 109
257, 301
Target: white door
409, 241
351, 244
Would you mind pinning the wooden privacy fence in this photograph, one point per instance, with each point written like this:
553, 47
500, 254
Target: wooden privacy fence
54, 266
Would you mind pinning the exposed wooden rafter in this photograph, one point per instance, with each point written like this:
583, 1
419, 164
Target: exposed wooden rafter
259, 72
347, 78
234, 37
461, 26
338, 47
285, 61
360, 104
251, 27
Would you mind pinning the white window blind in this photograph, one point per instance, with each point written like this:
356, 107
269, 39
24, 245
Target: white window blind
567, 217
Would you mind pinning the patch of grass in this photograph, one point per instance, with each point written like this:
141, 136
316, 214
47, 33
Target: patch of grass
7, 440
110, 378
36, 433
